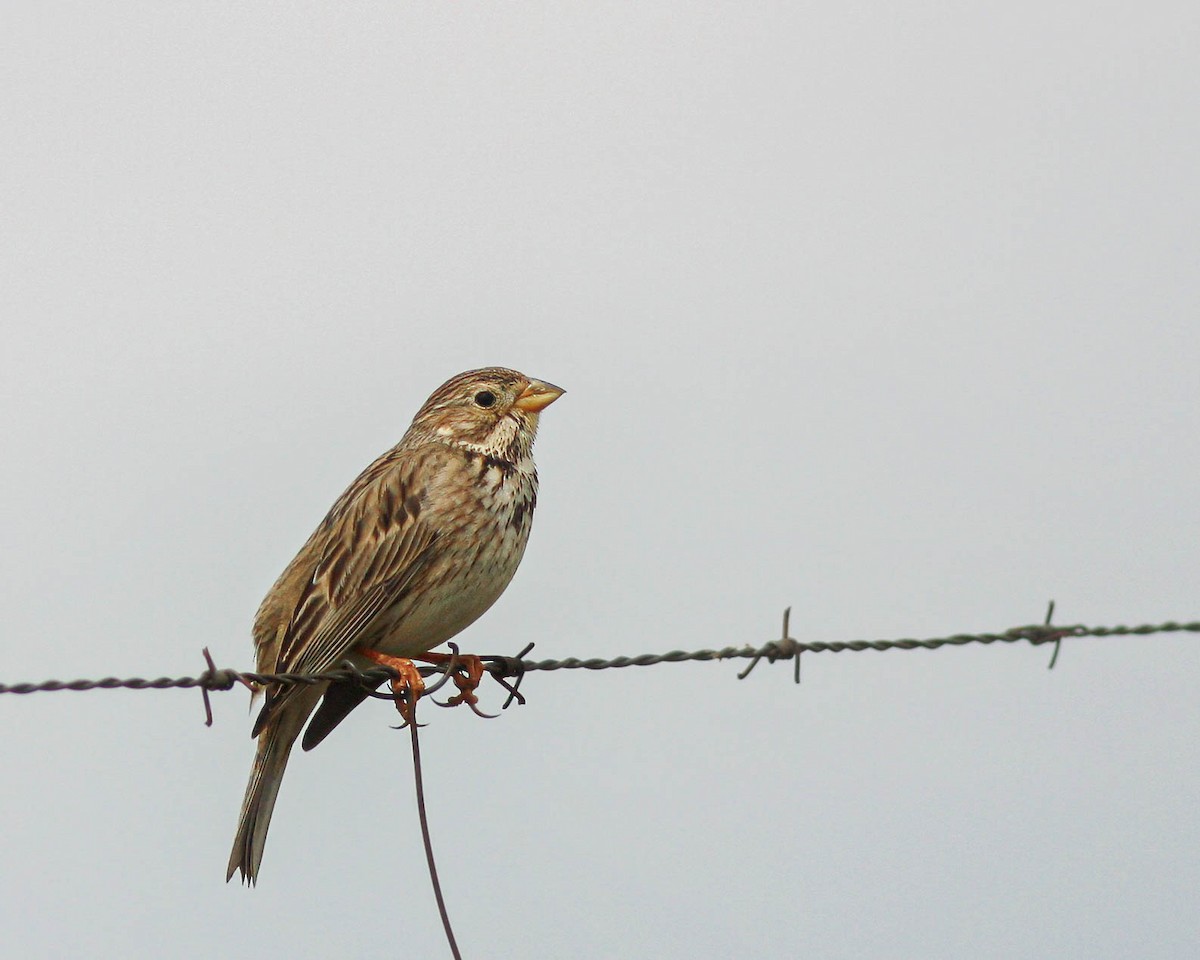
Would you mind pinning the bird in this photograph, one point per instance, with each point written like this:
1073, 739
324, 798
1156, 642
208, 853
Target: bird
415, 550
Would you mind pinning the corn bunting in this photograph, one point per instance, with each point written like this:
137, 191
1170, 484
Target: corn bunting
415, 550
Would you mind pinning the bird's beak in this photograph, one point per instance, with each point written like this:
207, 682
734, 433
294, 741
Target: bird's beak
537, 396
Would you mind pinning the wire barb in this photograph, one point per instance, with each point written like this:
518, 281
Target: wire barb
1057, 640
785, 648
510, 667
208, 675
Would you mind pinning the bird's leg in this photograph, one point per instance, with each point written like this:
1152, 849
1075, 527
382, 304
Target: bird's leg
407, 687
468, 671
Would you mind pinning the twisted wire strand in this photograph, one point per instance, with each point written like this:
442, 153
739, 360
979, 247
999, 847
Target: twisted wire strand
500, 667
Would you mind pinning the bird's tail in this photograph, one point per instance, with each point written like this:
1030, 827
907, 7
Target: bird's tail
270, 761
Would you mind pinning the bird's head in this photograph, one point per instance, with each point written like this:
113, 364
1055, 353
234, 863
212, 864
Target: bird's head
493, 411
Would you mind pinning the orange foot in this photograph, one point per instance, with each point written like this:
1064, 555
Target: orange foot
407, 687
468, 671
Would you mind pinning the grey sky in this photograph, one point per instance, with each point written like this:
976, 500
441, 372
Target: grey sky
885, 312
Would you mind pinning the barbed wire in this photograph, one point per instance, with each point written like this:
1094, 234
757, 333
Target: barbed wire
503, 668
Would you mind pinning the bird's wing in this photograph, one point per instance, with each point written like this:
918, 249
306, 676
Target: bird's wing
398, 558
366, 554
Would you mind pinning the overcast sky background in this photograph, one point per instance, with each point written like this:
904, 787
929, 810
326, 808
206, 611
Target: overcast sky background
886, 312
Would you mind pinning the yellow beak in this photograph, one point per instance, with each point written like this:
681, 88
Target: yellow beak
537, 396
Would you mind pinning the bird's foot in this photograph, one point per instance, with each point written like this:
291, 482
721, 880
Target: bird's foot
407, 687
466, 670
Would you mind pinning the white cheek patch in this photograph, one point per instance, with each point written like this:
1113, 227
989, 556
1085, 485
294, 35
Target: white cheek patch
445, 431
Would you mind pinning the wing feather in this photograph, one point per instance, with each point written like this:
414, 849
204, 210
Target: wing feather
368, 551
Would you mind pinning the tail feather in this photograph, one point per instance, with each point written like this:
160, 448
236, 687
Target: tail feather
270, 761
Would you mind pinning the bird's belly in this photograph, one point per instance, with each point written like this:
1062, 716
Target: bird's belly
461, 589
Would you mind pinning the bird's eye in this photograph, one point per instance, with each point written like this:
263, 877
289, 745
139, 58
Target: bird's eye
485, 398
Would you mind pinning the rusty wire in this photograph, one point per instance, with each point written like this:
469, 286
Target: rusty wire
504, 668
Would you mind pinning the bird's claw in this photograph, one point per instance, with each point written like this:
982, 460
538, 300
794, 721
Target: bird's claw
468, 697
466, 671
406, 688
